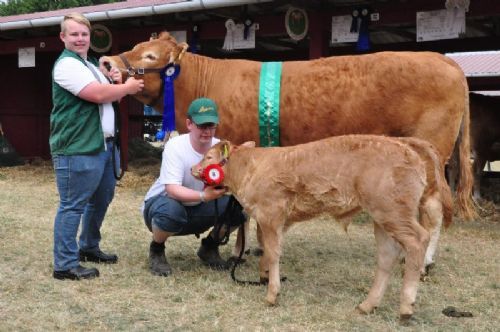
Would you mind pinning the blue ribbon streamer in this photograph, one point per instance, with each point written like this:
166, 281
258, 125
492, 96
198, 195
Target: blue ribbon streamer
168, 75
363, 43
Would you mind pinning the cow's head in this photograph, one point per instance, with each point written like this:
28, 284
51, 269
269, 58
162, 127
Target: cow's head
212, 167
146, 60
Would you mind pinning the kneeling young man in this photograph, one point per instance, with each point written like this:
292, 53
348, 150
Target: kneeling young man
177, 203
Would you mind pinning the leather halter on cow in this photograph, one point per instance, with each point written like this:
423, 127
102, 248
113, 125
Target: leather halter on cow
413, 94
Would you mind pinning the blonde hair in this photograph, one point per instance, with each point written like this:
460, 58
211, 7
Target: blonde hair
77, 17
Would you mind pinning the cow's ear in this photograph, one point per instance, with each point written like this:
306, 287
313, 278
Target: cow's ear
164, 35
180, 49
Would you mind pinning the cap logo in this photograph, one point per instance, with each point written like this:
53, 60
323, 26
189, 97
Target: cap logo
204, 109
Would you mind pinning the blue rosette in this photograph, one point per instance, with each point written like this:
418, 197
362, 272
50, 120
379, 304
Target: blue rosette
168, 75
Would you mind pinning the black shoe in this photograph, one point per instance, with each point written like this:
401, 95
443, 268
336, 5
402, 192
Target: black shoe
209, 254
77, 273
98, 257
158, 264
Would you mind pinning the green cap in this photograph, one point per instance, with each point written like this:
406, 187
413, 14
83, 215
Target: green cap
203, 110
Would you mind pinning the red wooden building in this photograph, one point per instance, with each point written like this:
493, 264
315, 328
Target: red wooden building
25, 97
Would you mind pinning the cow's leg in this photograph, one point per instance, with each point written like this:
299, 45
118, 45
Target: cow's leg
452, 170
237, 246
478, 168
433, 209
388, 251
269, 262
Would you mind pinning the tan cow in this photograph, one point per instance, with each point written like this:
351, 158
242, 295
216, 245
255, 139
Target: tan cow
419, 94
338, 177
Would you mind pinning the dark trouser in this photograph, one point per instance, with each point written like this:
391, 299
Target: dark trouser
171, 216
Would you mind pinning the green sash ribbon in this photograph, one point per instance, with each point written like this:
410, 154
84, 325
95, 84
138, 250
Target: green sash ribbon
269, 104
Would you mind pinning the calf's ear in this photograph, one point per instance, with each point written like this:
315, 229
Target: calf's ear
249, 144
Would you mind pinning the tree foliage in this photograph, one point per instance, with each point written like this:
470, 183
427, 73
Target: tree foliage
16, 7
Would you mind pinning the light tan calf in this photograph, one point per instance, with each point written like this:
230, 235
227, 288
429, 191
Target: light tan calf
437, 188
337, 176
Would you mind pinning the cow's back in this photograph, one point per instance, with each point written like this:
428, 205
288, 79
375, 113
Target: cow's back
418, 94
388, 93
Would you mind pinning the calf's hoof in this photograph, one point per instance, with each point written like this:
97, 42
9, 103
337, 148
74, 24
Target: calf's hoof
407, 320
365, 308
271, 300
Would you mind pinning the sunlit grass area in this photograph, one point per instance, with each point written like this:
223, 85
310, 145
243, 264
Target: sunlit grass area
329, 272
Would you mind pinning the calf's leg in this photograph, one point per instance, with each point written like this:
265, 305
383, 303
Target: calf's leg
388, 251
414, 239
433, 211
269, 262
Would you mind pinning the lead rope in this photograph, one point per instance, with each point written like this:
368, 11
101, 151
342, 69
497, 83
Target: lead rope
116, 138
218, 225
231, 205
238, 262
116, 143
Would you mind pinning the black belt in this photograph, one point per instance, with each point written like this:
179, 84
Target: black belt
110, 139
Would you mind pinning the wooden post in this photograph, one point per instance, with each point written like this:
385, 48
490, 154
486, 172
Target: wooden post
318, 45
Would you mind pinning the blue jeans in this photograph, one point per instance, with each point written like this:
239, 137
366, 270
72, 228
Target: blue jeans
86, 186
171, 216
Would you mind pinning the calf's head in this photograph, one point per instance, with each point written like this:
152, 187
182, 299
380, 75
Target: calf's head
211, 168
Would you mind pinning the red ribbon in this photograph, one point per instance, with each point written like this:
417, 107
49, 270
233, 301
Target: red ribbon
213, 175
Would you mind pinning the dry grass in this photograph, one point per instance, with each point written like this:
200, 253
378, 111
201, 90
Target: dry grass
329, 273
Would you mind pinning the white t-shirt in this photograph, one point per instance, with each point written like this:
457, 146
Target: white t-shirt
73, 76
177, 159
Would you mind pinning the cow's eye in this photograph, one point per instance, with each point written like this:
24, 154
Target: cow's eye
150, 56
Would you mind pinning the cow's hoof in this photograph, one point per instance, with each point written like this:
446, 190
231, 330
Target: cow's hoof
257, 252
425, 274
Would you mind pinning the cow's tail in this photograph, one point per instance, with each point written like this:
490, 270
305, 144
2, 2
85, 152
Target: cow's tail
446, 195
465, 203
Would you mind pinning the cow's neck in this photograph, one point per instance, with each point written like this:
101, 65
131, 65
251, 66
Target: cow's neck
198, 75
195, 80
